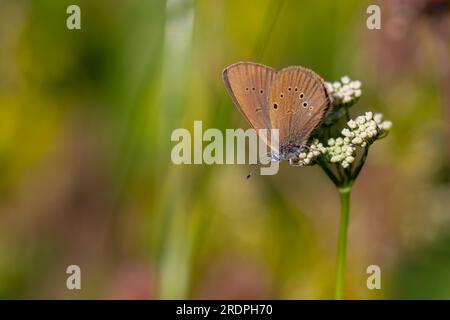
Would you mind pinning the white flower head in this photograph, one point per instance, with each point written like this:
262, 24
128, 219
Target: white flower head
378, 117
359, 132
365, 129
345, 80
344, 92
310, 154
386, 125
355, 84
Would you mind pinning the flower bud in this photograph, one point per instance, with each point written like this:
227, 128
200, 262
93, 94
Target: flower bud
345, 79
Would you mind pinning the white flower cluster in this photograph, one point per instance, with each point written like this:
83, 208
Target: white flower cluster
359, 133
344, 92
365, 128
308, 155
341, 151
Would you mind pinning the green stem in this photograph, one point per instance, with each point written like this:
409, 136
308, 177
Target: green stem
347, 114
340, 275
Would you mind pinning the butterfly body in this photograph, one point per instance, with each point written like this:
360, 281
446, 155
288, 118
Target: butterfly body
293, 100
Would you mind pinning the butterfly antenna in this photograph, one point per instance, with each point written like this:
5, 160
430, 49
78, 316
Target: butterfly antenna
254, 168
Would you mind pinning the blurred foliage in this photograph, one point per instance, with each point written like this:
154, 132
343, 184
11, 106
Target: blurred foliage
85, 170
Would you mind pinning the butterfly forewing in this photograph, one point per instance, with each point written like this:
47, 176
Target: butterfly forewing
249, 85
298, 102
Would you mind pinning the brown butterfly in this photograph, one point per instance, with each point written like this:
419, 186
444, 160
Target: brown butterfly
293, 100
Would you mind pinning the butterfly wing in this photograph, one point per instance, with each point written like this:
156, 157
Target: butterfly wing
298, 102
249, 84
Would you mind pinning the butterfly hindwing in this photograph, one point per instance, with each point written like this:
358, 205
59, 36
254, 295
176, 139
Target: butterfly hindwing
298, 102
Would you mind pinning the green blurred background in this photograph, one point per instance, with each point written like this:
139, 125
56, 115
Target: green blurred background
85, 170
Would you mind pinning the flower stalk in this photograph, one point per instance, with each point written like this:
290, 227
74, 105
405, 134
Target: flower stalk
343, 157
342, 244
